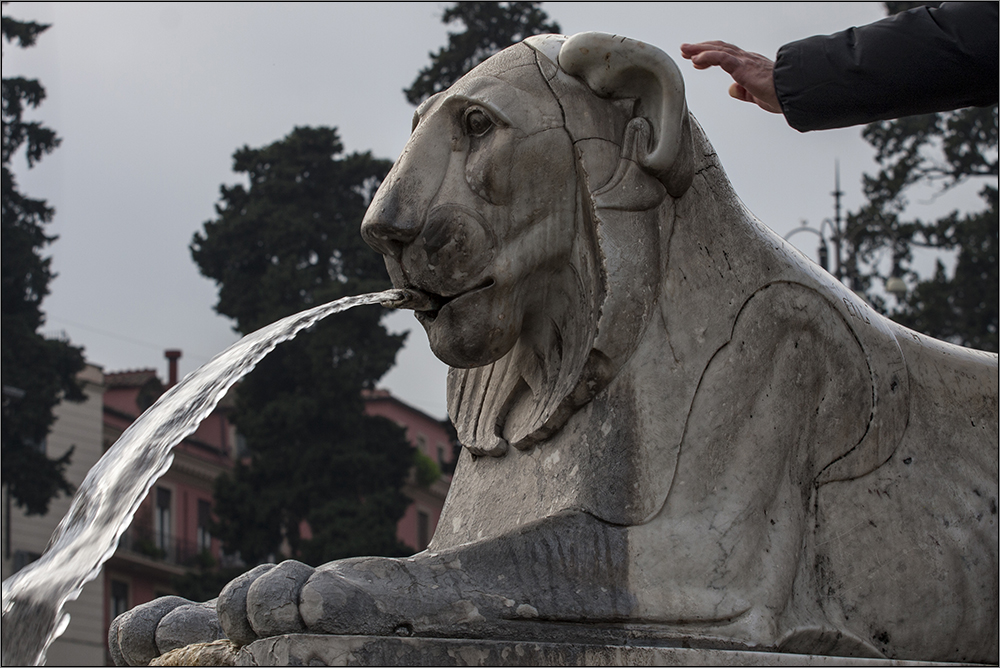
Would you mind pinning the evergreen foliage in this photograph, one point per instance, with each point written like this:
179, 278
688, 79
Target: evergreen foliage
287, 242
489, 27
946, 150
37, 372
204, 584
427, 470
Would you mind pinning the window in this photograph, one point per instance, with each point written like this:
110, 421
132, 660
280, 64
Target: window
422, 443
440, 455
161, 518
119, 597
204, 522
423, 530
242, 449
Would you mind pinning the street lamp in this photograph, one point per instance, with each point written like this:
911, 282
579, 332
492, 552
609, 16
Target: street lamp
835, 233
823, 253
896, 287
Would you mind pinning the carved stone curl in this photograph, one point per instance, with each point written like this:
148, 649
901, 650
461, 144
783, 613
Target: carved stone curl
714, 441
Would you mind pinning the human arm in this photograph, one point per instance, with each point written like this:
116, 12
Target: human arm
921, 61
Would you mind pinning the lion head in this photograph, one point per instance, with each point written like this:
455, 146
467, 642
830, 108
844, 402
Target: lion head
528, 201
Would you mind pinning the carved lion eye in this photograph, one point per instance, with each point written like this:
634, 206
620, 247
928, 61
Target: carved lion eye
477, 123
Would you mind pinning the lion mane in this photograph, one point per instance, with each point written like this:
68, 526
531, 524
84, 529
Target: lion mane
530, 393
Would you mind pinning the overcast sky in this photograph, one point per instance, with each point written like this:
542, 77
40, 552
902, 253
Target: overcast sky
152, 99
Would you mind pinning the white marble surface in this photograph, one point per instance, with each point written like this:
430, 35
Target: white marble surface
677, 429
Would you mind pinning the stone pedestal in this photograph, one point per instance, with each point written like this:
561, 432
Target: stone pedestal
313, 650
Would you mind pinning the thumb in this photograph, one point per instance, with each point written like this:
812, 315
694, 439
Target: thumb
740, 93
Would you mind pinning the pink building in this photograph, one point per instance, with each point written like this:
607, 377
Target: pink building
434, 439
170, 532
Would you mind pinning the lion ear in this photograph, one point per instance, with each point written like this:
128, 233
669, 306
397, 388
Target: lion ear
619, 67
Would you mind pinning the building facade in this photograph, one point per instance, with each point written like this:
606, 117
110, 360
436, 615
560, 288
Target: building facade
170, 533
435, 440
78, 426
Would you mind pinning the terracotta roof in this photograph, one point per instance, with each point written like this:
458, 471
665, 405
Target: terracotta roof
376, 394
379, 394
133, 378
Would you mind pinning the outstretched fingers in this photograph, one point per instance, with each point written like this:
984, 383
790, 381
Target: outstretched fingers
752, 73
713, 54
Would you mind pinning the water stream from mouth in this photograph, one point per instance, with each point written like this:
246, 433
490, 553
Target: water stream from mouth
109, 496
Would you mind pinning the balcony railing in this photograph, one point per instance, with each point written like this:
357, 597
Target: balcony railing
168, 549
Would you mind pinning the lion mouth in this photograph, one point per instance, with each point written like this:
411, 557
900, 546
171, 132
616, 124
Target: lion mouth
411, 299
435, 302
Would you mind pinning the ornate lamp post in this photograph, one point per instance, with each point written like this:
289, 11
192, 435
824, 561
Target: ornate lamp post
832, 229
822, 253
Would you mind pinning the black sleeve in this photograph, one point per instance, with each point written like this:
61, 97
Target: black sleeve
917, 62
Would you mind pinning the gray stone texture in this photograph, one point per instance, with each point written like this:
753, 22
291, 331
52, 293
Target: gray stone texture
132, 635
232, 606
214, 653
185, 622
319, 650
677, 430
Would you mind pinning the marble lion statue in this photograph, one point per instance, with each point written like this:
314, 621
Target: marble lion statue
676, 428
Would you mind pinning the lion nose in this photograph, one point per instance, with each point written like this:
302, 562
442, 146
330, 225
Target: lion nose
387, 229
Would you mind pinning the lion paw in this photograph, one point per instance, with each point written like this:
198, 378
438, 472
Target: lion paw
332, 603
143, 633
263, 602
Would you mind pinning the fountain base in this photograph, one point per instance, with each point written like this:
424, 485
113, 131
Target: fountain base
311, 650
215, 653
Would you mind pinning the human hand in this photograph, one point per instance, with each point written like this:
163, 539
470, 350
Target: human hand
753, 73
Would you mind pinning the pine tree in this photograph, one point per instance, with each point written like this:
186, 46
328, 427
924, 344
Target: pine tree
287, 242
945, 150
37, 372
489, 27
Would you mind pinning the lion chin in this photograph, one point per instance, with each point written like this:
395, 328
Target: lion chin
456, 335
